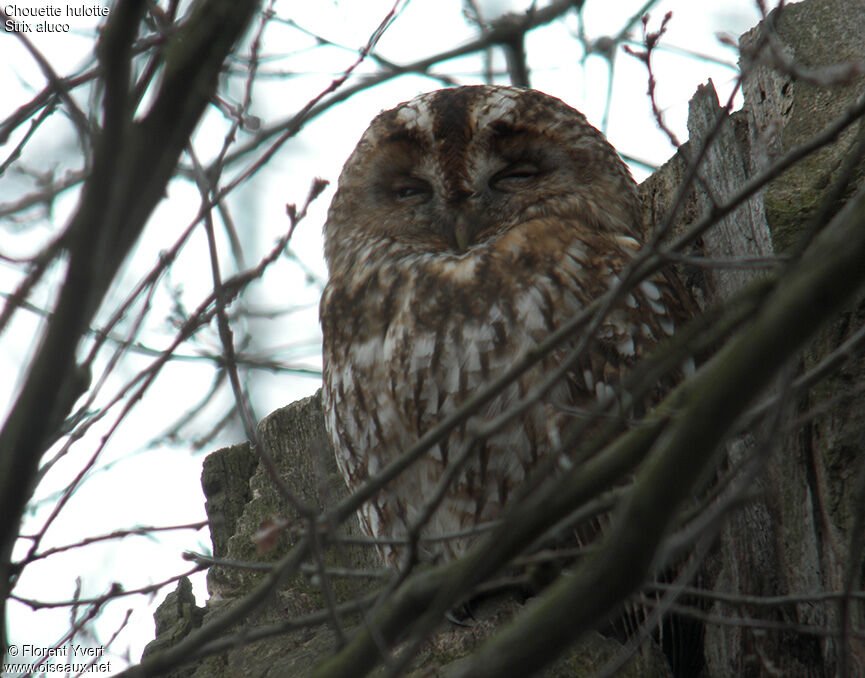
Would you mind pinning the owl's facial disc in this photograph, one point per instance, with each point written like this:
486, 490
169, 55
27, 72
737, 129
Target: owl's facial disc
451, 171
454, 191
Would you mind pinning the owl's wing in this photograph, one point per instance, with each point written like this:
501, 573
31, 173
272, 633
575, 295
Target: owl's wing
647, 315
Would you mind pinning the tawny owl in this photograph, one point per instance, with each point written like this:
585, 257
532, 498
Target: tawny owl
468, 224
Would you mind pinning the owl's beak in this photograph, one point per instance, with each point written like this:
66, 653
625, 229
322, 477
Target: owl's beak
463, 233
467, 225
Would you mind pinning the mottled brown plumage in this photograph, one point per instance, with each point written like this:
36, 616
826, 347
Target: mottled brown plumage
468, 224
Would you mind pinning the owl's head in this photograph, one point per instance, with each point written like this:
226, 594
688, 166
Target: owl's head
451, 170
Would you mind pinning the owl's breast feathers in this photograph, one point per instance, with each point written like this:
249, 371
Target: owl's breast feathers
409, 338
534, 277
